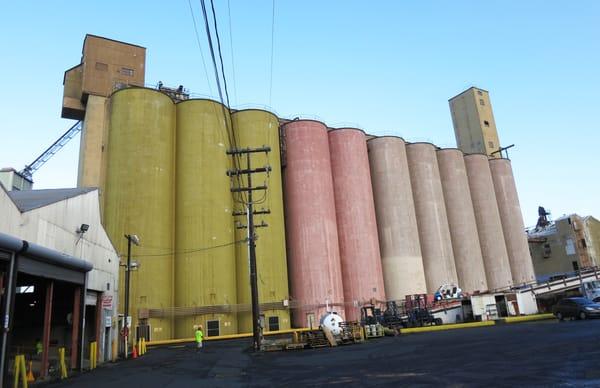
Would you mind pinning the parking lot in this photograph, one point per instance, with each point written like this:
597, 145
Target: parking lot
546, 353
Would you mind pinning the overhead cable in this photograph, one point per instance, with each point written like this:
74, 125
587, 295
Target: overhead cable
200, 46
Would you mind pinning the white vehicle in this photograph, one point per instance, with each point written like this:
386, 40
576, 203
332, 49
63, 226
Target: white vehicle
591, 289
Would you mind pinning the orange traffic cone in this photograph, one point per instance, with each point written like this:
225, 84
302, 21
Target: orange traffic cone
30, 378
134, 353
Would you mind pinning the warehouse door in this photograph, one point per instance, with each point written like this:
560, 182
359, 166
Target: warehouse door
501, 306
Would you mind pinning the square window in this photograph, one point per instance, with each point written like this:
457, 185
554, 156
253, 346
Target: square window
127, 71
547, 251
273, 323
486, 123
491, 144
212, 328
481, 102
101, 66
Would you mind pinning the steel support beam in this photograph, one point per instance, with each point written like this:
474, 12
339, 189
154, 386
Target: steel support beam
47, 327
75, 323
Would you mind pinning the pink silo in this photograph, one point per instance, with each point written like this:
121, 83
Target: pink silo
355, 212
311, 229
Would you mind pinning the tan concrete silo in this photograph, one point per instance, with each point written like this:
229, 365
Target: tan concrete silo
256, 128
205, 278
489, 227
139, 198
403, 271
432, 220
461, 220
521, 264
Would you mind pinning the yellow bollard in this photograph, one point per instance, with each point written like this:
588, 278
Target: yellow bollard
62, 365
20, 371
93, 355
144, 344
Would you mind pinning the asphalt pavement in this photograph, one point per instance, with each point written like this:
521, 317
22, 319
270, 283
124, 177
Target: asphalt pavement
534, 354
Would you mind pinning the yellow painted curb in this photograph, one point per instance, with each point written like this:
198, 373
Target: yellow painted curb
222, 337
445, 327
525, 318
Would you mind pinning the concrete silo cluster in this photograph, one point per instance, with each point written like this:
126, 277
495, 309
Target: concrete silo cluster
365, 220
353, 219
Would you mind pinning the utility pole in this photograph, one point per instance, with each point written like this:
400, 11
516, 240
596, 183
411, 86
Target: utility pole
250, 212
135, 240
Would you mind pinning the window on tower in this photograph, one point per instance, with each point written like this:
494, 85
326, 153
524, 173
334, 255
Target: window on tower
481, 102
486, 123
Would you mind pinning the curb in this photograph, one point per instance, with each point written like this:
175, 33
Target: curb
528, 318
451, 326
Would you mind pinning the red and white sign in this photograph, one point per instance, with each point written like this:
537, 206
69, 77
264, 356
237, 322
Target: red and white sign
107, 302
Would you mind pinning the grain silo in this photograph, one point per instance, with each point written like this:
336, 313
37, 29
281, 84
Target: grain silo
461, 220
403, 271
513, 228
355, 214
205, 279
139, 198
253, 129
489, 227
432, 220
312, 236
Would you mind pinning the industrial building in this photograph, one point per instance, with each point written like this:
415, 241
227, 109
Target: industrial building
563, 246
346, 219
13, 180
58, 276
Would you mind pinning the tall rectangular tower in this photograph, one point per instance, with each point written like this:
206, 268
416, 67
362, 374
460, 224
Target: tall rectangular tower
473, 120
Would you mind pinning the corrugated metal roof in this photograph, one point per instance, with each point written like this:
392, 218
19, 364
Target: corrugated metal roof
27, 200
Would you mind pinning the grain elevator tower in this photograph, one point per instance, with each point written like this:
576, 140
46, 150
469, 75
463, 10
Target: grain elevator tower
474, 125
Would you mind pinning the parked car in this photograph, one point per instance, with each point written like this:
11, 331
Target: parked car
580, 308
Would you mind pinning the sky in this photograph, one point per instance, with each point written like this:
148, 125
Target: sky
388, 67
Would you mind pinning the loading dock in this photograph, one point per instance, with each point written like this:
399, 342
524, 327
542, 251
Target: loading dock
41, 305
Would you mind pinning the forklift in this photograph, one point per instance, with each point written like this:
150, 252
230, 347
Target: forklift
418, 313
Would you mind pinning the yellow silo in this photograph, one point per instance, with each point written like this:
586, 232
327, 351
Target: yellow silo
205, 275
253, 129
139, 199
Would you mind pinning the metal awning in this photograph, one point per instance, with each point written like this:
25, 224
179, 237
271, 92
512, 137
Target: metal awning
44, 262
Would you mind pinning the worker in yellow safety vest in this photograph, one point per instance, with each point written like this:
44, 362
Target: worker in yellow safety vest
39, 347
199, 334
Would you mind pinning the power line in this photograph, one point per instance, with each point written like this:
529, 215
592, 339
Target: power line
200, 46
212, 52
232, 58
192, 250
232, 138
212, 6
272, 49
